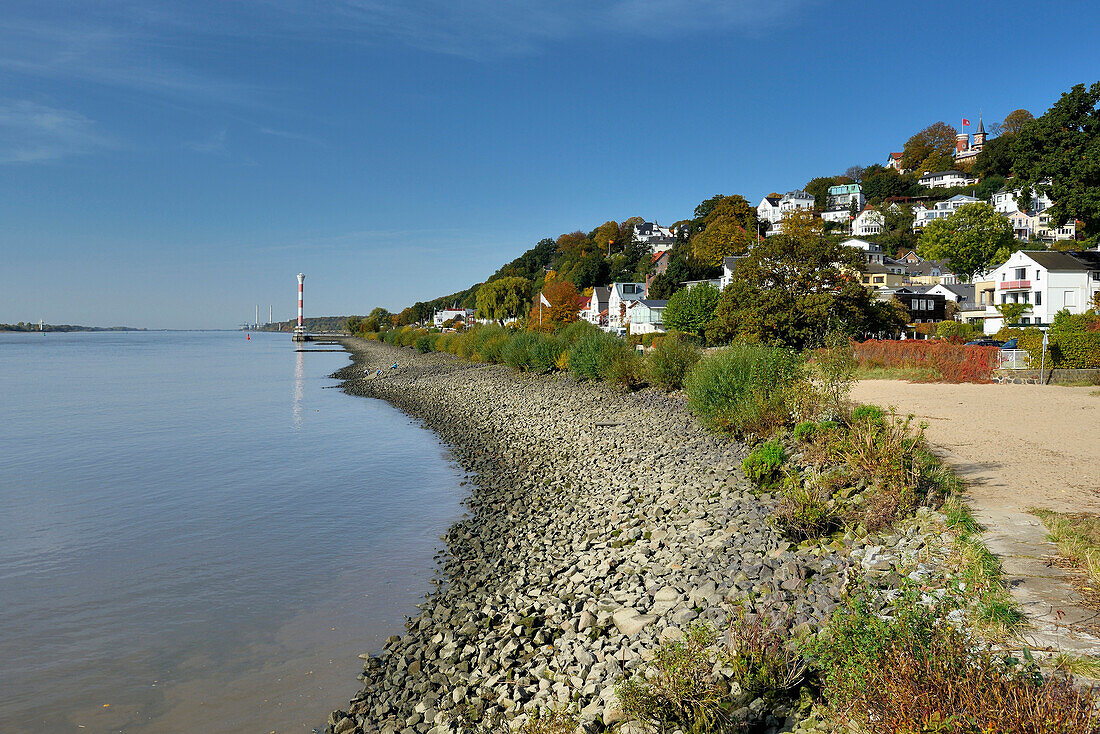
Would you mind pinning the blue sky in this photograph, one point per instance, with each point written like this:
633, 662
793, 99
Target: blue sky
172, 164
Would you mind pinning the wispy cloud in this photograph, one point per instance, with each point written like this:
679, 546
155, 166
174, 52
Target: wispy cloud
32, 132
213, 145
288, 135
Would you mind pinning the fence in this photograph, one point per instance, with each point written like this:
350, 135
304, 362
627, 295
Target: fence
1013, 359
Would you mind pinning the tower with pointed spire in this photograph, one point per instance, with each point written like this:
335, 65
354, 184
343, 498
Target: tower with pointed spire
965, 152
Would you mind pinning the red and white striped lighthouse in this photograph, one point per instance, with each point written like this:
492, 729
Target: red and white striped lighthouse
301, 288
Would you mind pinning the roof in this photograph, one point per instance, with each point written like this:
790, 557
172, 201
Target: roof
943, 173
926, 268
601, 294
657, 255
965, 291
1053, 260
896, 156
964, 197
652, 303
583, 302
797, 194
730, 261
981, 126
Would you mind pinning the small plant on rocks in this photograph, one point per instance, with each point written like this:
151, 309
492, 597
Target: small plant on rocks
806, 509
671, 360
762, 465
679, 689
763, 663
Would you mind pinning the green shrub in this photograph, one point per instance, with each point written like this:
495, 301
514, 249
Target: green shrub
626, 369
746, 390
671, 360
806, 509
680, 689
516, 352
905, 670
543, 352
592, 354
424, 344
870, 413
763, 463
805, 431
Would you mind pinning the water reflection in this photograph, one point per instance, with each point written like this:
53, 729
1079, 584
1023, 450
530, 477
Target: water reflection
299, 386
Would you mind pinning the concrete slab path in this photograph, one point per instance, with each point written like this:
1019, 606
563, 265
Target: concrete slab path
1019, 447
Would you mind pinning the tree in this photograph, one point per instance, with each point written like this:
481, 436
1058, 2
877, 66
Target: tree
723, 236
789, 289
352, 324
691, 310
968, 239
1063, 148
819, 189
930, 149
1012, 312
662, 287
503, 299
563, 309
855, 173
995, 158
801, 223
606, 236
1015, 121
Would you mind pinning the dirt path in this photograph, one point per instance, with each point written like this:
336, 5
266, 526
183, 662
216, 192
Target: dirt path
1019, 447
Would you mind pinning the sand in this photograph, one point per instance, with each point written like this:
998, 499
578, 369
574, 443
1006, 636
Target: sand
1021, 446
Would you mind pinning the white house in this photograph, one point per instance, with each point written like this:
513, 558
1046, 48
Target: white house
646, 316
1048, 281
946, 180
465, 315
619, 298
596, 312
768, 209
941, 210
794, 200
894, 161
654, 236
869, 222
872, 253
843, 196
729, 263
1006, 201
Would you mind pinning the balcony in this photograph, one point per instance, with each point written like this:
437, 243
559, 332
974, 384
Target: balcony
1014, 285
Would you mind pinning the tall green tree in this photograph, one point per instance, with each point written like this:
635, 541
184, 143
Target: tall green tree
1015, 121
503, 299
968, 239
691, 310
790, 289
1063, 147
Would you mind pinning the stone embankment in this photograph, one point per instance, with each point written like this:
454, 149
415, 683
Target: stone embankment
599, 524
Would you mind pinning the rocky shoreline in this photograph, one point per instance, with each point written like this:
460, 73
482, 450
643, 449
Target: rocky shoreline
599, 523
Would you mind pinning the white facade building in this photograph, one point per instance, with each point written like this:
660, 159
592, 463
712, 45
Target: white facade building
946, 180
872, 253
768, 209
654, 236
465, 315
869, 223
618, 302
941, 210
646, 317
794, 200
1048, 281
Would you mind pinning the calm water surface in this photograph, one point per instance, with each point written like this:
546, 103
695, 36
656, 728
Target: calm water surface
195, 536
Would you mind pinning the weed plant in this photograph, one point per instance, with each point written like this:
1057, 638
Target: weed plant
763, 465
671, 360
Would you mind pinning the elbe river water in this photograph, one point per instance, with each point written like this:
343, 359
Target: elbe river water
195, 536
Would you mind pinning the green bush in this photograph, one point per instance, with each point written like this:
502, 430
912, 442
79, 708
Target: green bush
762, 465
543, 352
424, 344
903, 669
806, 509
746, 390
516, 352
671, 360
871, 413
805, 431
591, 355
626, 369
1080, 350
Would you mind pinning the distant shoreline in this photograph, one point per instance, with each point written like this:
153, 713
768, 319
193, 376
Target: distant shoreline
27, 328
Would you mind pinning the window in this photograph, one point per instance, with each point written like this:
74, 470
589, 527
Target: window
1021, 273
1024, 297
1025, 320
1038, 298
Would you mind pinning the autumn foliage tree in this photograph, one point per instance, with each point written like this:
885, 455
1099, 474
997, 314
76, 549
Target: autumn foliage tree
503, 298
563, 309
931, 149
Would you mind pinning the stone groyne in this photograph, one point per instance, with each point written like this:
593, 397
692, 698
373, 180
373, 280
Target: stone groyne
598, 524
